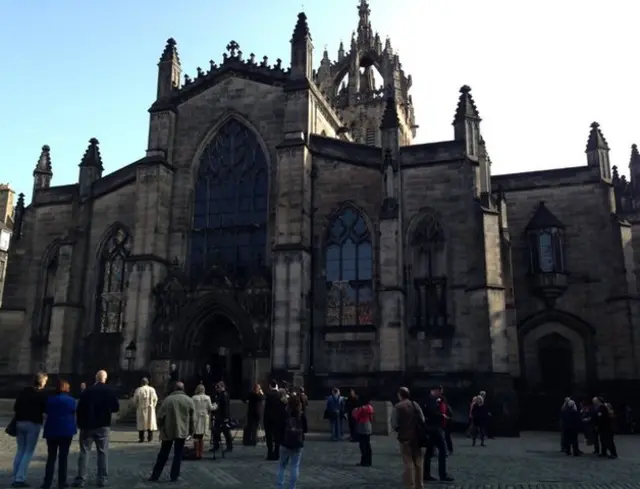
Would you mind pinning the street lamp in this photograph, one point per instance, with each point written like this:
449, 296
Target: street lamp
130, 354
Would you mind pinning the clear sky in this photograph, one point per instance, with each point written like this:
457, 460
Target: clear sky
541, 71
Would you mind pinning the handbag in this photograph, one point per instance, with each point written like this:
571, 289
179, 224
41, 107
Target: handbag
422, 434
11, 428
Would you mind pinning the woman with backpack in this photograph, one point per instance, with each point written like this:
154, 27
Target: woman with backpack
292, 442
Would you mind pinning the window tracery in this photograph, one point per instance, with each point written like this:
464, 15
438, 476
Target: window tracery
349, 271
230, 205
430, 275
113, 282
48, 296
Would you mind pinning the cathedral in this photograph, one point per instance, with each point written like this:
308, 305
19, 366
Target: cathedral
282, 223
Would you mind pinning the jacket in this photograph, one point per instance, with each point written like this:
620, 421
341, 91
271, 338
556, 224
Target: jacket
433, 416
30, 405
96, 405
202, 410
176, 416
145, 399
272, 407
405, 418
61, 417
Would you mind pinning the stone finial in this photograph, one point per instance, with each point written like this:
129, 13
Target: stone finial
596, 140
466, 108
301, 31
635, 157
92, 155
614, 172
170, 53
20, 203
390, 119
44, 161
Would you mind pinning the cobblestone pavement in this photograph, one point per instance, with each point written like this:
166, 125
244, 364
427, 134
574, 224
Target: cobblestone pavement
530, 462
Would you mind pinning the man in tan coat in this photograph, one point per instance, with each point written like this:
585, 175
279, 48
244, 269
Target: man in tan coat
404, 420
176, 422
145, 400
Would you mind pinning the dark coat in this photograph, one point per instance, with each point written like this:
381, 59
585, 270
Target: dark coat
571, 420
479, 414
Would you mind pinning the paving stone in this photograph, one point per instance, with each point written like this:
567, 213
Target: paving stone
530, 462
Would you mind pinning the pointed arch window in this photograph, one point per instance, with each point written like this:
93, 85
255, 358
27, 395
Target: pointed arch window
429, 271
349, 271
229, 228
43, 327
112, 283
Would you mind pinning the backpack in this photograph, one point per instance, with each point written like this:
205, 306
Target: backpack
293, 433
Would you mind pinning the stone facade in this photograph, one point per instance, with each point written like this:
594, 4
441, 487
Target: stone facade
283, 223
6, 224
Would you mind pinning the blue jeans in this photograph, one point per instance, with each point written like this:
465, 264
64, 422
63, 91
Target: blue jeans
287, 455
336, 428
99, 437
27, 435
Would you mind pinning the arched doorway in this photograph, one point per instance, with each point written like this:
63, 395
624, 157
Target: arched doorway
219, 345
555, 361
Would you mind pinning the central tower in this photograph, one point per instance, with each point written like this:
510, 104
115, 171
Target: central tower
350, 84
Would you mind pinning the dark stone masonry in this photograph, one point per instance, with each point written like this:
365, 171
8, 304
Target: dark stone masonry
282, 223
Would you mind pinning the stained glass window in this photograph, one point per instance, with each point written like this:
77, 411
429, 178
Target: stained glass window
112, 283
349, 271
230, 207
430, 275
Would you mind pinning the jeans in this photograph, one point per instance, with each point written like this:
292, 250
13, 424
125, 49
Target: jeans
273, 447
436, 440
99, 436
336, 428
288, 455
364, 442
57, 448
163, 456
607, 445
27, 435
447, 438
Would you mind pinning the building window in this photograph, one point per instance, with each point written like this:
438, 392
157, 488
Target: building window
48, 295
429, 272
2, 270
229, 228
546, 251
112, 283
349, 271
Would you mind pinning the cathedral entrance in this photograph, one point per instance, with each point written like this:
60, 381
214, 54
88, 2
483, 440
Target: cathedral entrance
220, 346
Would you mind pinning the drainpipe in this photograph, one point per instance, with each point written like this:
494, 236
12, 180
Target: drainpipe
312, 288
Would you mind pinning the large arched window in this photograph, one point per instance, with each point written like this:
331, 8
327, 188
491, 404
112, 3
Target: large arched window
230, 207
429, 265
112, 282
43, 326
349, 266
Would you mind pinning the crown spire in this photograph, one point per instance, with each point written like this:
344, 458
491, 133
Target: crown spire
170, 52
596, 139
390, 119
92, 157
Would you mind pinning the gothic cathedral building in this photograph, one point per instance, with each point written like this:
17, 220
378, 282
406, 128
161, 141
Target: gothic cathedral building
283, 223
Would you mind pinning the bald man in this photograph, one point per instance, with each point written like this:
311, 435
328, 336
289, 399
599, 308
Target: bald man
95, 407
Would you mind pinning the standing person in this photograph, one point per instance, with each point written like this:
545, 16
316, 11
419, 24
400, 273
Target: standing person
334, 412
434, 421
304, 401
447, 412
272, 421
202, 412
59, 429
145, 399
479, 416
222, 418
363, 418
96, 406
176, 420
28, 411
292, 442
351, 403
405, 419
255, 401
83, 386
604, 422
571, 424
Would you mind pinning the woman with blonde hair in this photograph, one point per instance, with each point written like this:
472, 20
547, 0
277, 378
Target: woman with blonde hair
202, 412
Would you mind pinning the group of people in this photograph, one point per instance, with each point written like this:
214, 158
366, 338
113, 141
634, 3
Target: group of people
62, 416
596, 420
